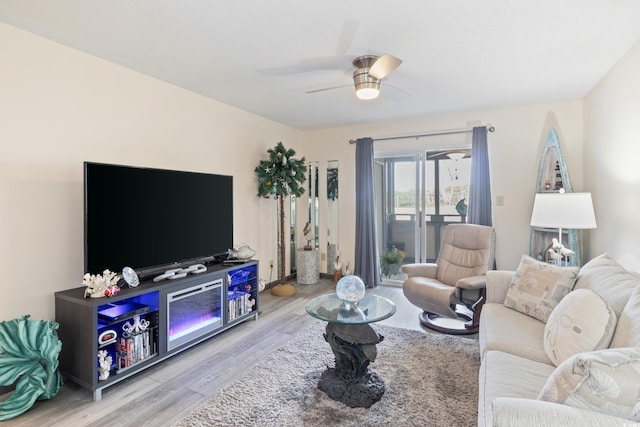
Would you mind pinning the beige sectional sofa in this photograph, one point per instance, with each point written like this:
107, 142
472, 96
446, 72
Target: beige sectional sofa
574, 361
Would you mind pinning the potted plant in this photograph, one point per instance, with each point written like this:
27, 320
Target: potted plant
391, 261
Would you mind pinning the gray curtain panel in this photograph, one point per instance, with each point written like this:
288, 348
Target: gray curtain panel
480, 187
366, 263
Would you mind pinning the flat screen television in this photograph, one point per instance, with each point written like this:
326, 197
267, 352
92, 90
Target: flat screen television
150, 219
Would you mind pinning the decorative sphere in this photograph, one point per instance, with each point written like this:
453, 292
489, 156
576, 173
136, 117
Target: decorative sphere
350, 289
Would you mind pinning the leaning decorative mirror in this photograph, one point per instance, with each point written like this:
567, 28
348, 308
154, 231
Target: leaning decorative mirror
292, 234
307, 271
312, 236
332, 214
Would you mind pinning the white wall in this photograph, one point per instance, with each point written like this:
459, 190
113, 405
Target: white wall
60, 107
612, 156
514, 151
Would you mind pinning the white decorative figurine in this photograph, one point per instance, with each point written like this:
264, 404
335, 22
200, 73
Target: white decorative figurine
553, 254
557, 251
104, 363
307, 234
566, 253
139, 325
242, 252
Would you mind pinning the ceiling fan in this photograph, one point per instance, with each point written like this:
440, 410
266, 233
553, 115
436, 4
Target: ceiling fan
368, 75
455, 154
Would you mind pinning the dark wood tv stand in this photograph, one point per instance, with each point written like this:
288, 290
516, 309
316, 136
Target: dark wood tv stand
86, 324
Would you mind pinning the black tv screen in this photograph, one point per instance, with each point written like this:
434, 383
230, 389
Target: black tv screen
152, 218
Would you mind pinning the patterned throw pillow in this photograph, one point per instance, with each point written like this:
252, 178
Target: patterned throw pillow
537, 287
606, 381
581, 322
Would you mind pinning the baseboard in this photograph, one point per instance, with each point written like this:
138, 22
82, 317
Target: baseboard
277, 282
292, 277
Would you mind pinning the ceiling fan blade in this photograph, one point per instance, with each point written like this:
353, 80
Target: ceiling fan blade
347, 36
320, 63
328, 88
394, 92
384, 66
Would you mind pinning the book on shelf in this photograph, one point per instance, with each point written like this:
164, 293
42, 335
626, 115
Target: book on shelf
238, 305
134, 349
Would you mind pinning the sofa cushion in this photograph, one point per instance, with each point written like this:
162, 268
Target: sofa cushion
581, 322
537, 287
608, 279
627, 333
498, 284
507, 330
605, 381
513, 411
506, 375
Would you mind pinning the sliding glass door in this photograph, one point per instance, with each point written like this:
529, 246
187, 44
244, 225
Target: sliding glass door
399, 204
417, 196
446, 195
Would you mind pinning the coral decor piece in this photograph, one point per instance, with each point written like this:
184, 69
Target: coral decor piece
281, 175
29, 352
101, 285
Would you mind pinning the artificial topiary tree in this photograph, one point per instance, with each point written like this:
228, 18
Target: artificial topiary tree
281, 176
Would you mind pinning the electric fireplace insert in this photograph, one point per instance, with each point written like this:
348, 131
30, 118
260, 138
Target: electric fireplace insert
193, 312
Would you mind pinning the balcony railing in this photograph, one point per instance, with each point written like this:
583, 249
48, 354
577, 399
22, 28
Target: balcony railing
400, 232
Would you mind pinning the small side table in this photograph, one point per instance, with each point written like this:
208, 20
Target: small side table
307, 267
353, 338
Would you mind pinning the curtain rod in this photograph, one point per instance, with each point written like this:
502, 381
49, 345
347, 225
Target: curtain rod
450, 132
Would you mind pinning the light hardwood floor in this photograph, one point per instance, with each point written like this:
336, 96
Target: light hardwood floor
165, 393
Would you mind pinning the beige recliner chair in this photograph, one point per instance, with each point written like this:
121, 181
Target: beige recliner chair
451, 290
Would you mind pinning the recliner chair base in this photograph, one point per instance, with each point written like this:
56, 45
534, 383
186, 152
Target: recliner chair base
462, 325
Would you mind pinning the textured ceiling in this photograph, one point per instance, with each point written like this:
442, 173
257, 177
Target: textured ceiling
263, 56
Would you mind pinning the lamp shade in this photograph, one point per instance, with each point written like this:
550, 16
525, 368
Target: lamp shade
563, 210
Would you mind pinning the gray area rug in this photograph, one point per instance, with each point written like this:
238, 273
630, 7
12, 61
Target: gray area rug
430, 379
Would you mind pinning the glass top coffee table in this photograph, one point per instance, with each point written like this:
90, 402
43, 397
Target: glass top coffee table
353, 339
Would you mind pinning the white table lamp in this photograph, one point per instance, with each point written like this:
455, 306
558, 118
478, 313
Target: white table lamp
563, 210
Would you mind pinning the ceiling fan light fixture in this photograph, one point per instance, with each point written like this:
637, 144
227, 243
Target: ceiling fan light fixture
367, 93
366, 86
456, 155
